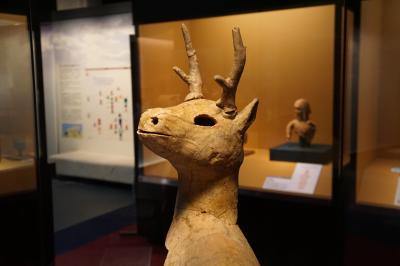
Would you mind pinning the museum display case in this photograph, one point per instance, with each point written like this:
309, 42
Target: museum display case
301, 64
290, 55
22, 205
376, 136
87, 87
321, 160
17, 123
88, 96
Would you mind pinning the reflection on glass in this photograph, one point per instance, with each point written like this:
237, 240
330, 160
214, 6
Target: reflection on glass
88, 96
289, 56
17, 135
348, 123
88, 100
378, 153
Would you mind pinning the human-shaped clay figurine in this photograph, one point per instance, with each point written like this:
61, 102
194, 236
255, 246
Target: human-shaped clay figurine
301, 125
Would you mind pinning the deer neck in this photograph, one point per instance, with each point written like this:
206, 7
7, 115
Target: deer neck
207, 190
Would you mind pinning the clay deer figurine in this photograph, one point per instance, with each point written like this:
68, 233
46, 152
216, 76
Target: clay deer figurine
203, 140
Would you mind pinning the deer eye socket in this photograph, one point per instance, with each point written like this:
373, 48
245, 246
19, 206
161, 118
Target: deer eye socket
204, 120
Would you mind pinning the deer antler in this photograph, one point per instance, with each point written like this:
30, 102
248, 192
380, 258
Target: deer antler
194, 78
229, 84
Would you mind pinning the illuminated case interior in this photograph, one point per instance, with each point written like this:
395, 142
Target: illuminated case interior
290, 55
17, 124
340, 55
23, 200
376, 134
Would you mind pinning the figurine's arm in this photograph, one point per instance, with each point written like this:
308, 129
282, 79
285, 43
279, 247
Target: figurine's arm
289, 129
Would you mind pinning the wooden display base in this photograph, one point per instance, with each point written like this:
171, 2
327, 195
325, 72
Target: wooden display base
293, 152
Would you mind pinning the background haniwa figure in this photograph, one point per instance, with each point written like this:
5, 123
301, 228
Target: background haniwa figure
301, 125
203, 140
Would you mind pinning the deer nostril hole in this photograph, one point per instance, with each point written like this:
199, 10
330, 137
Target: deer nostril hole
204, 120
154, 120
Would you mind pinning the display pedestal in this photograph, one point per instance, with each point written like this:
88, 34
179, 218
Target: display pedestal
293, 152
91, 165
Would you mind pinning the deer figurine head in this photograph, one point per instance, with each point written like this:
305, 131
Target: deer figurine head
199, 131
203, 140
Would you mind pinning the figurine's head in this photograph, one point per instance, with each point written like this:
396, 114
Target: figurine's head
302, 109
200, 132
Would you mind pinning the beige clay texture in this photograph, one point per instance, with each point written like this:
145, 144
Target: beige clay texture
302, 126
203, 140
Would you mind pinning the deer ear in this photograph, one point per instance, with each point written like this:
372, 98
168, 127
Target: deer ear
246, 117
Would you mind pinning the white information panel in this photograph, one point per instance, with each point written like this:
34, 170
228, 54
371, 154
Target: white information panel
395, 170
87, 74
303, 180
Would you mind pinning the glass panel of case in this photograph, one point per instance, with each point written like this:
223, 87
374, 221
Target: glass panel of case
378, 141
17, 128
290, 55
88, 94
88, 101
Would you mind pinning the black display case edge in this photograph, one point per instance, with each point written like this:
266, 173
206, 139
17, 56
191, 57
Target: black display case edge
95, 11
163, 11
293, 152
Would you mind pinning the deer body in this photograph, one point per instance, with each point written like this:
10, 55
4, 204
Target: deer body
203, 140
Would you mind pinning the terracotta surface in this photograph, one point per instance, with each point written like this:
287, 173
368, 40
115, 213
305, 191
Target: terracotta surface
302, 126
203, 140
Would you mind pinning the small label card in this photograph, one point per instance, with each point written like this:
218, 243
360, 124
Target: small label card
397, 197
304, 179
276, 183
395, 170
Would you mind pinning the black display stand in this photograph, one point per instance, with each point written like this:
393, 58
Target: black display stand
293, 152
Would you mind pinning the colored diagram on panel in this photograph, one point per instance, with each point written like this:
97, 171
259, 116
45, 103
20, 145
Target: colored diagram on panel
73, 131
108, 103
